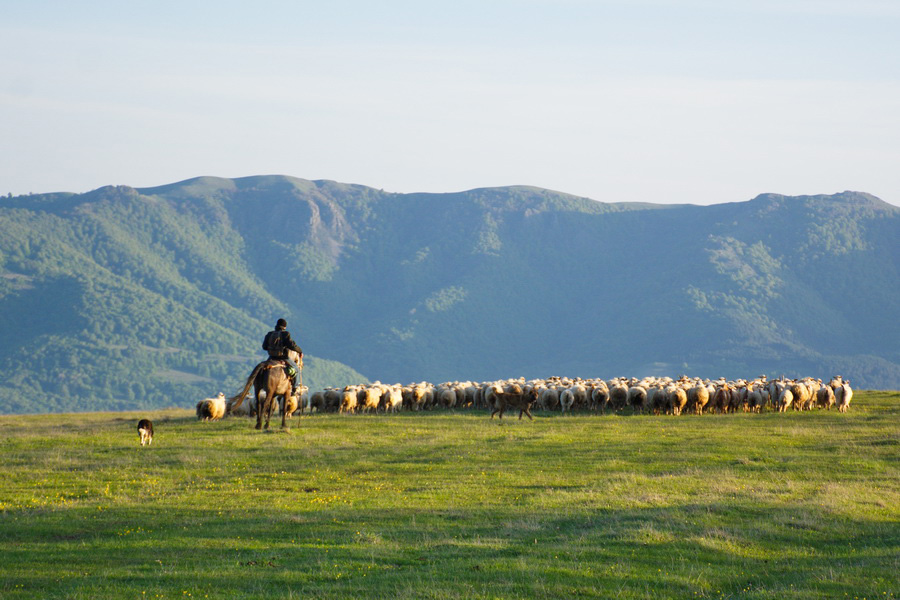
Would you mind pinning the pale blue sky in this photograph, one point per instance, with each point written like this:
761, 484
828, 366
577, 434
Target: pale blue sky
700, 101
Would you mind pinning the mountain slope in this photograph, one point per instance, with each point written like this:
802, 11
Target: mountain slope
123, 297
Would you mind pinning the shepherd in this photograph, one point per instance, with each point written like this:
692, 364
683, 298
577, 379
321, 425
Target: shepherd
276, 377
277, 343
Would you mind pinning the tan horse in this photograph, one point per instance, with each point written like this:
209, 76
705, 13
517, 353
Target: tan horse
270, 377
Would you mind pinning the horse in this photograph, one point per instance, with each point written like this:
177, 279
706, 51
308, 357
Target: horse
269, 376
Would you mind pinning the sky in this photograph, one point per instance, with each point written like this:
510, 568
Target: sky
664, 101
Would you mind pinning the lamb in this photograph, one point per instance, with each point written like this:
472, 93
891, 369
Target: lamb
211, 409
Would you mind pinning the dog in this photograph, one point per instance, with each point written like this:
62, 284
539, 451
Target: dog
145, 430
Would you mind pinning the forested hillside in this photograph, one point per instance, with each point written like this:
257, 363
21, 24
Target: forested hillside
126, 298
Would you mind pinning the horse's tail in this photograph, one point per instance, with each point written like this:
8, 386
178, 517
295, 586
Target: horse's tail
235, 401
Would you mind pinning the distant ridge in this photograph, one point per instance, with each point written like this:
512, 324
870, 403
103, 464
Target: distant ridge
153, 296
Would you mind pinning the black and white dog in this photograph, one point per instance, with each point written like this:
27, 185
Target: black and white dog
145, 430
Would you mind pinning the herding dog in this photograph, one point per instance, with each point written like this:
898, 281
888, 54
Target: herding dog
145, 430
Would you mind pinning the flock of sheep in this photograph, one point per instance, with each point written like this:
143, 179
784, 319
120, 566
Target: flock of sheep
657, 395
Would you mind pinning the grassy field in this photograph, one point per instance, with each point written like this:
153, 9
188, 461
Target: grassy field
442, 505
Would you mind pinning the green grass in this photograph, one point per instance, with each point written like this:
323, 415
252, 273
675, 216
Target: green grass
441, 505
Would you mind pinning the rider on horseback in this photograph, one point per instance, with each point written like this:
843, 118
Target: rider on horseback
277, 343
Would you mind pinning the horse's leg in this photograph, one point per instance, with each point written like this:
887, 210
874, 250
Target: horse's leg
270, 404
259, 412
287, 396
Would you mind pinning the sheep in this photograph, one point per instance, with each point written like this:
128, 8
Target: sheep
392, 399
369, 398
211, 409
657, 400
549, 398
825, 397
349, 399
785, 400
721, 399
600, 397
656, 394
416, 397
637, 397
317, 401
801, 395
333, 399
581, 395
305, 401
698, 398
836, 382
677, 399
755, 400
842, 396
566, 400
447, 397
618, 395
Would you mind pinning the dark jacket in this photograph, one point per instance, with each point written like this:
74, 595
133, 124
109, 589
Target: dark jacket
278, 342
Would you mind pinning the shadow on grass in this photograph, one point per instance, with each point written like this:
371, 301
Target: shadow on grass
684, 551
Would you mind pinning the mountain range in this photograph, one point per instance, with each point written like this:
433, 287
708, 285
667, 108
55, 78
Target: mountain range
124, 298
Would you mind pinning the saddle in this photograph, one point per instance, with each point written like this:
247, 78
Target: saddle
273, 363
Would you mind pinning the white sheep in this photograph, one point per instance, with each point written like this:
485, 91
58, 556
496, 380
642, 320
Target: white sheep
211, 409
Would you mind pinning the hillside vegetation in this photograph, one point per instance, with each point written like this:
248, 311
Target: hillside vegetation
124, 298
454, 506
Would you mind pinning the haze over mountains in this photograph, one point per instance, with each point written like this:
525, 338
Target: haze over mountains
124, 298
